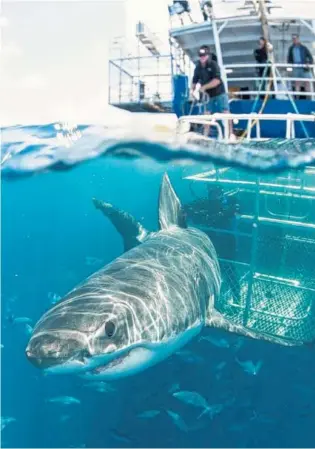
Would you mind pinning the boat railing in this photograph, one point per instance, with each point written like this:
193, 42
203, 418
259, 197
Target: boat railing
194, 13
279, 81
140, 79
253, 121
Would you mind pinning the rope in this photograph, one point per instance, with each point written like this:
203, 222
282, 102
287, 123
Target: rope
294, 107
261, 110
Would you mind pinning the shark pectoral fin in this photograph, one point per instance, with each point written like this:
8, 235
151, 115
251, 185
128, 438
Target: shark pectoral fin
216, 319
170, 209
129, 228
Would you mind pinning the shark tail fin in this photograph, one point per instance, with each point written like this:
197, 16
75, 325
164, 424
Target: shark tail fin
132, 232
170, 208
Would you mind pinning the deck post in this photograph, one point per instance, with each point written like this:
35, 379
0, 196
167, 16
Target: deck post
219, 52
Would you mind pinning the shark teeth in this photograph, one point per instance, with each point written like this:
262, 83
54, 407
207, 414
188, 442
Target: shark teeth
111, 364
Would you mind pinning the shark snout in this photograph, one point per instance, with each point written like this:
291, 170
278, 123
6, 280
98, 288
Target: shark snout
39, 362
49, 350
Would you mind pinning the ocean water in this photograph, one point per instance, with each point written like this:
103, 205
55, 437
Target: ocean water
256, 204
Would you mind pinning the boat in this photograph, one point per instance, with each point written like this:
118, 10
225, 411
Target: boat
158, 82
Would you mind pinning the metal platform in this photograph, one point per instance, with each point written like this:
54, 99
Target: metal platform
237, 32
145, 106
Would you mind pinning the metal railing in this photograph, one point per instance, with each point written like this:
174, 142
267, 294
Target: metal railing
196, 15
281, 84
140, 79
184, 122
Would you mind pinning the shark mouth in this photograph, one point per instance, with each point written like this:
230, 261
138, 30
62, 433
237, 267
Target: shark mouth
131, 362
114, 363
120, 364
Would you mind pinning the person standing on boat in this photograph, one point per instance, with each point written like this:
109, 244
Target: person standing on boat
207, 9
207, 74
300, 54
262, 57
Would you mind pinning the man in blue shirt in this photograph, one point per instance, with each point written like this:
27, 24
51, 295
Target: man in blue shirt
300, 54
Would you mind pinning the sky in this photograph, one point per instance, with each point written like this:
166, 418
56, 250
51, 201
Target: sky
54, 54
54, 57
54, 60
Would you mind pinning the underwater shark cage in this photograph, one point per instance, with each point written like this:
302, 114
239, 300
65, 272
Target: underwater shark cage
266, 248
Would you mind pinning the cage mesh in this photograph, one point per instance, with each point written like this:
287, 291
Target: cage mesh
280, 304
268, 274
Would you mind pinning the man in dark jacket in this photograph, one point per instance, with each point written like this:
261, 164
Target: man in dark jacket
300, 54
207, 74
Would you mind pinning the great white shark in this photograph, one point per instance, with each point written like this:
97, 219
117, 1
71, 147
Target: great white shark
140, 308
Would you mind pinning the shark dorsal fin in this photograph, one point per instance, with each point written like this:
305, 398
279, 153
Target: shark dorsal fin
170, 209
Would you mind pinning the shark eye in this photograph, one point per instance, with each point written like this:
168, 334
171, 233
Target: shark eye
110, 329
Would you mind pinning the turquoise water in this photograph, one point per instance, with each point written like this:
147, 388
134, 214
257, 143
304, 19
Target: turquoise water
53, 238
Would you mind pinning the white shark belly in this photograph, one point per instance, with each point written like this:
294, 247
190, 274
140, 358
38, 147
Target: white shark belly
146, 356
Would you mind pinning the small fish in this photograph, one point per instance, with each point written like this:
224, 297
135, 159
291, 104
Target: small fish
53, 298
91, 261
239, 343
65, 400
6, 420
28, 329
261, 418
119, 436
219, 342
64, 418
219, 369
12, 299
149, 414
237, 427
100, 387
177, 420
195, 399
250, 367
220, 366
173, 388
189, 357
1, 346
21, 319
9, 317
192, 398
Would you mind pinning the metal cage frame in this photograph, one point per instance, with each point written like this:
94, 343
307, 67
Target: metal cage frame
279, 306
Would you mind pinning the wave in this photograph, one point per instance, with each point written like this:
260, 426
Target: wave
30, 149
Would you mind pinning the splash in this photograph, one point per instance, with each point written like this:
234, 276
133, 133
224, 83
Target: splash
30, 149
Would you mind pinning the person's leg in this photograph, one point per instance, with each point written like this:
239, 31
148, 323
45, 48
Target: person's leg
223, 106
307, 84
209, 106
297, 84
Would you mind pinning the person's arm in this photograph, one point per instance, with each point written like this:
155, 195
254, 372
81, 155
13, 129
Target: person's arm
195, 80
309, 56
290, 58
216, 81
